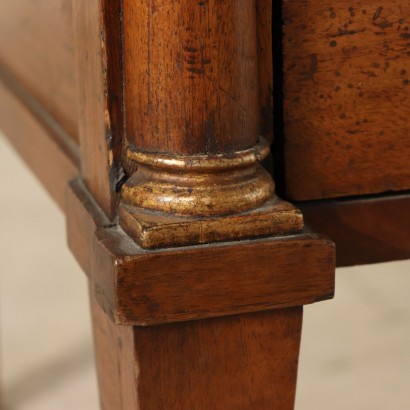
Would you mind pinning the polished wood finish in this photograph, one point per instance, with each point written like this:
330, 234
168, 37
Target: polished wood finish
200, 150
173, 99
141, 287
203, 282
200, 365
115, 362
365, 230
99, 66
184, 95
171, 94
37, 47
346, 98
83, 218
265, 66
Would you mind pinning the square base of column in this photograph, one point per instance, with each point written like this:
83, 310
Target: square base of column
152, 229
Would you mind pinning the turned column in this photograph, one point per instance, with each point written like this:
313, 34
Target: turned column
193, 125
191, 76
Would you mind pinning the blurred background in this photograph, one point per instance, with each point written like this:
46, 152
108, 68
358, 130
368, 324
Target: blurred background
355, 349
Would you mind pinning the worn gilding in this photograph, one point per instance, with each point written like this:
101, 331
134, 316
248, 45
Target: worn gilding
185, 200
200, 185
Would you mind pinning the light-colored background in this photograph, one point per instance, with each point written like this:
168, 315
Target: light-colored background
355, 350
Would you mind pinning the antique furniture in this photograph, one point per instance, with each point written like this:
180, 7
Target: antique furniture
148, 122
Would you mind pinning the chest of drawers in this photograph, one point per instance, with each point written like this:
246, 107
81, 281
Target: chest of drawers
150, 122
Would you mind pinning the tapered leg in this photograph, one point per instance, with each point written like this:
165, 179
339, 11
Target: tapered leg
246, 362
115, 362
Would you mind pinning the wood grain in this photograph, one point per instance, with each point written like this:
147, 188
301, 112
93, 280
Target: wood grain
265, 67
365, 230
99, 65
37, 46
80, 226
208, 281
242, 362
191, 75
140, 287
115, 362
347, 101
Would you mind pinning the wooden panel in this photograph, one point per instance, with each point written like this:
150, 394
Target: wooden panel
41, 142
98, 42
347, 97
80, 226
265, 68
36, 44
368, 230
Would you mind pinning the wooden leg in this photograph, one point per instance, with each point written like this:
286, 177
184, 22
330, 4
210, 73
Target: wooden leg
239, 362
115, 362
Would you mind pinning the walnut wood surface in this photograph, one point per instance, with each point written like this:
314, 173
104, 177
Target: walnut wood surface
37, 46
115, 362
242, 362
346, 97
98, 42
366, 230
210, 281
191, 75
191, 86
265, 66
140, 287
39, 140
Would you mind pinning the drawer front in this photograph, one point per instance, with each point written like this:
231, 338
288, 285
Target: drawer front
346, 97
37, 46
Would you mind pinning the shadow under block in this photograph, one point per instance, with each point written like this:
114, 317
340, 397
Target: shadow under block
242, 362
365, 230
147, 287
